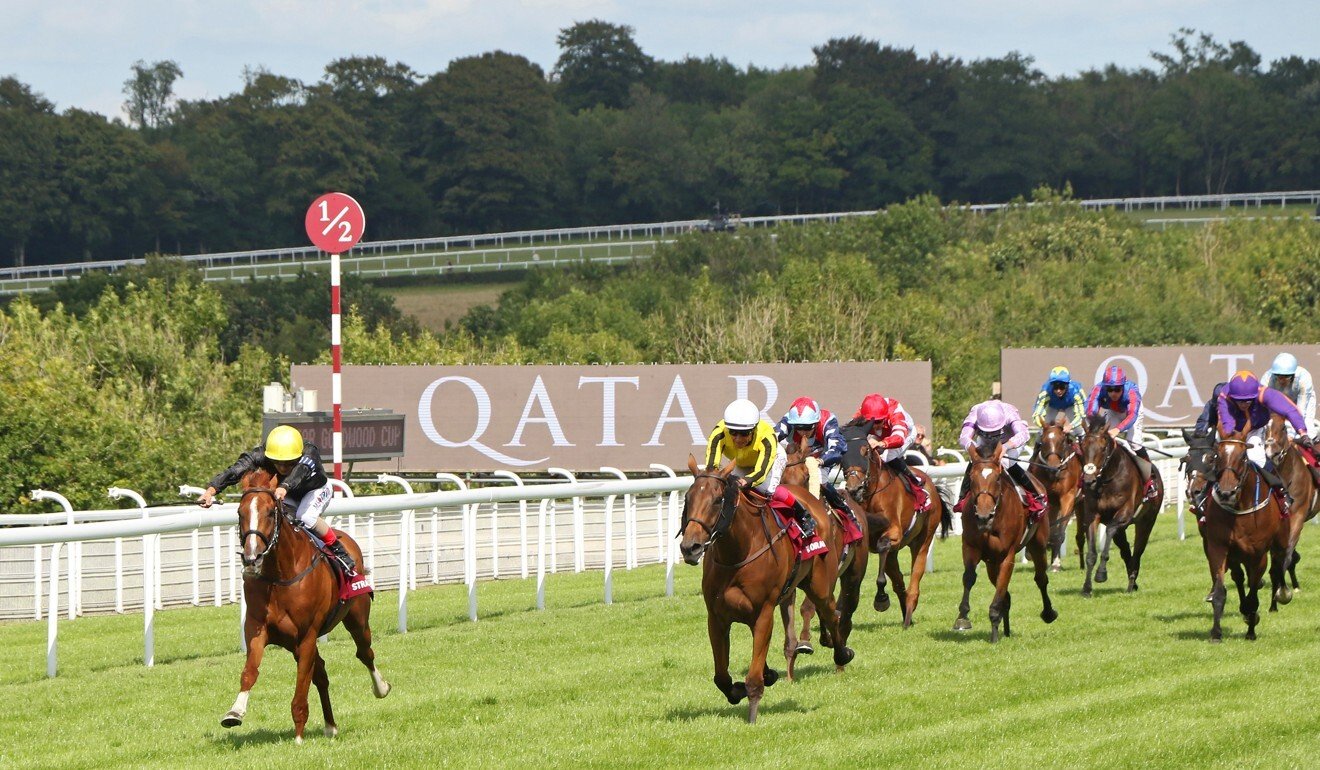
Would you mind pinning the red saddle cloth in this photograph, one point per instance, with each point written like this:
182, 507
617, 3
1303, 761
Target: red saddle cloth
351, 583
851, 532
805, 549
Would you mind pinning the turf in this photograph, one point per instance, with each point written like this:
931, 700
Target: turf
1118, 681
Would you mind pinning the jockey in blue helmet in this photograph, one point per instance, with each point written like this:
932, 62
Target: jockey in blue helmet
1061, 395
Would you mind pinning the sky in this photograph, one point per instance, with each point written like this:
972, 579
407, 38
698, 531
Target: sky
78, 53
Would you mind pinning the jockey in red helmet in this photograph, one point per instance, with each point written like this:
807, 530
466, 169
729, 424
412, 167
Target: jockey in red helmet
892, 432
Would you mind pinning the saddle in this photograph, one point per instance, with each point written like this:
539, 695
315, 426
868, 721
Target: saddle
351, 583
802, 549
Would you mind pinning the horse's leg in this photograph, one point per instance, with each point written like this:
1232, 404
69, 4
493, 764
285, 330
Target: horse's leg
1001, 571
804, 636
1091, 535
322, 682
1251, 609
1144, 526
881, 603
306, 655
820, 587
1216, 556
358, 624
791, 648
1280, 593
895, 571
1058, 536
717, 629
1240, 580
756, 678
971, 557
1125, 551
850, 594
1037, 549
918, 569
1080, 541
255, 631
1102, 568
1292, 568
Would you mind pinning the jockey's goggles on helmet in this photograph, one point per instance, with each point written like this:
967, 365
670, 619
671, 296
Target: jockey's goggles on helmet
808, 426
740, 432
1114, 388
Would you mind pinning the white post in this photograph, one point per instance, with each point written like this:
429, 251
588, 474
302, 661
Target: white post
36, 578
522, 521
405, 549
609, 549
540, 555
671, 553
579, 537
118, 493
629, 522
53, 611
75, 552
469, 537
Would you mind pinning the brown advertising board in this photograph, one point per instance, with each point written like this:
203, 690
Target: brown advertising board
1175, 380
519, 418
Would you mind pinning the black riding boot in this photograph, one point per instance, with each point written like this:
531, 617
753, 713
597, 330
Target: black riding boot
1147, 469
337, 548
804, 519
1020, 477
900, 466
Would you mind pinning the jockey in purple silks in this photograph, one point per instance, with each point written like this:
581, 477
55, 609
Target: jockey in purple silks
995, 422
1245, 400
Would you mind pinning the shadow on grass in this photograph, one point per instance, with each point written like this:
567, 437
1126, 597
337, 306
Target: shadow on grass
1170, 617
238, 738
769, 705
963, 637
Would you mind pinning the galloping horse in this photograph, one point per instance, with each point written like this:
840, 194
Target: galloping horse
748, 571
292, 598
1198, 464
1057, 464
851, 572
1243, 527
995, 527
1293, 469
892, 520
1112, 496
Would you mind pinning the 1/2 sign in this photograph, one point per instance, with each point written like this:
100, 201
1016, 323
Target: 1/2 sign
335, 222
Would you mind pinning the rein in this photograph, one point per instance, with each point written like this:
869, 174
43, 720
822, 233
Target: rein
728, 510
273, 540
1217, 492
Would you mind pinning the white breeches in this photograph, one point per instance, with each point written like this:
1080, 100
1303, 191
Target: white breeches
313, 504
771, 482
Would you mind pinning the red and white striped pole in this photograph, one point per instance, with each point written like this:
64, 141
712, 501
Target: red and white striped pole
335, 223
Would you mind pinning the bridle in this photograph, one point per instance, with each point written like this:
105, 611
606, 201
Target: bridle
994, 498
1058, 466
1239, 469
1111, 450
727, 508
269, 542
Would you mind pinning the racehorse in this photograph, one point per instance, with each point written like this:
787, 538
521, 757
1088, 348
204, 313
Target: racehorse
798, 473
892, 519
1057, 464
1243, 527
1198, 464
1298, 475
996, 527
1112, 496
292, 597
748, 571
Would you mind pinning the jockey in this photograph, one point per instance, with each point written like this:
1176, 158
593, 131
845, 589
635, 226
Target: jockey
805, 417
1061, 395
892, 432
1294, 382
1209, 419
1119, 400
302, 480
1246, 400
748, 440
994, 422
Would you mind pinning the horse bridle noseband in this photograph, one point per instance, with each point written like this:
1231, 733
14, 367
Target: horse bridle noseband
726, 510
994, 510
1109, 457
275, 535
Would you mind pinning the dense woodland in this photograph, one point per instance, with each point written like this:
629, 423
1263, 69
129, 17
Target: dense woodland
150, 378
613, 135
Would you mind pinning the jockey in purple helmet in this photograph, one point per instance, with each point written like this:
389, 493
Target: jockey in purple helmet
994, 422
1119, 400
1245, 401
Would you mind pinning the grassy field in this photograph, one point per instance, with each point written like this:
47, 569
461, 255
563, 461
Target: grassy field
1118, 681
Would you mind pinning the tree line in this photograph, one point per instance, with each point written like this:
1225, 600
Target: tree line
614, 135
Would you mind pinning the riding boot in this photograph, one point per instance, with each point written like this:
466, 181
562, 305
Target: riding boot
1147, 469
920, 499
805, 520
964, 496
337, 548
835, 500
1276, 483
1035, 500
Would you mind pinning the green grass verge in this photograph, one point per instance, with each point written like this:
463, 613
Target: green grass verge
1118, 681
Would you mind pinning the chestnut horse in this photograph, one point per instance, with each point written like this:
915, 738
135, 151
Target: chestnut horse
1058, 465
995, 527
1112, 496
1243, 528
893, 522
292, 597
749, 568
1293, 469
851, 572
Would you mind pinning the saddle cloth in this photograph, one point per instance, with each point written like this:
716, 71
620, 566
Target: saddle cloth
351, 583
803, 548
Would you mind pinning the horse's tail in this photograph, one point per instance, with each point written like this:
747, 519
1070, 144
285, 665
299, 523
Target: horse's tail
946, 511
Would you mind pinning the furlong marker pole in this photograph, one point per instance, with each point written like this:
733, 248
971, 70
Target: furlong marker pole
336, 390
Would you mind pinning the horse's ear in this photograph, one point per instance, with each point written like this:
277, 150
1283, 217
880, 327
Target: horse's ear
802, 445
727, 469
1060, 422
692, 464
999, 452
1188, 434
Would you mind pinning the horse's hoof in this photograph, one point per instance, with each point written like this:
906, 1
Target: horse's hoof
843, 656
1050, 615
1251, 636
962, 624
297, 739
383, 690
1283, 595
1086, 593
736, 693
881, 603
1210, 597
232, 719
1101, 575
771, 676
1055, 568
1216, 639
804, 648
331, 731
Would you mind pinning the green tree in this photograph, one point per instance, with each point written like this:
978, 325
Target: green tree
598, 63
149, 92
29, 194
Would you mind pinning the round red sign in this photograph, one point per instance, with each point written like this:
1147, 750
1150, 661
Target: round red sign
335, 222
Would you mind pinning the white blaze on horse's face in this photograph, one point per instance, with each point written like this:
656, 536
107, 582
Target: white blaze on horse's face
985, 472
252, 544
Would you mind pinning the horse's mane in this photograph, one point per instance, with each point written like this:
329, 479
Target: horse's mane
259, 478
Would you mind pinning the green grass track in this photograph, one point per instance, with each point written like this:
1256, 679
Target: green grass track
1118, 681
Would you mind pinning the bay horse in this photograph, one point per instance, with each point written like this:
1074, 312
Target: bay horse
749, 567
1058, 465
1300, 478
798, 473
1244, 527
893, 522
292, 597
1112, 496
1198, 465
996, 527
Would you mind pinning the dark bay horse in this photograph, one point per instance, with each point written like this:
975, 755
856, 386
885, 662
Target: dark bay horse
893, 522
1298, 475
749, 567
1243, 528
798, 473
1057, 463
292, 597
1112, 496
995, 527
